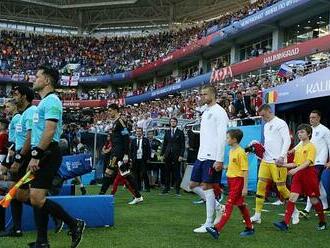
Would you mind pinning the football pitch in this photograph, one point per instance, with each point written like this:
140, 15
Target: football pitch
167, 221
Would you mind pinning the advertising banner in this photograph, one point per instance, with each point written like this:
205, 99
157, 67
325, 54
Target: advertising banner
75, 165
313, 85
267, 13
170, 89
274, 58
82, 103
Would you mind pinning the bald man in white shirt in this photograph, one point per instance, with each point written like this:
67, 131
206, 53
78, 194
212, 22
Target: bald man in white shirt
209, 163
277, 143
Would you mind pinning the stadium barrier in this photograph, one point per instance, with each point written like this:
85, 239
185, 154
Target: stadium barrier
96, 210
94, 142
66, 190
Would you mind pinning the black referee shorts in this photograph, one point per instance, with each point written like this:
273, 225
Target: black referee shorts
49, 165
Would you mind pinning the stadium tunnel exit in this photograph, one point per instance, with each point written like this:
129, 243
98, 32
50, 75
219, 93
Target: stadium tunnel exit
298, 112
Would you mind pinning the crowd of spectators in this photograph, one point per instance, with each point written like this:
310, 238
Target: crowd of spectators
21, 53
148, 86
125, 91
86, 94
265, 81
240, 98
234, 16
238, 102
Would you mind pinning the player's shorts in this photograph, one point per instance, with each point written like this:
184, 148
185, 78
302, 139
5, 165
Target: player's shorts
49, 166
306, 182
235, 185
272, 172
203, 172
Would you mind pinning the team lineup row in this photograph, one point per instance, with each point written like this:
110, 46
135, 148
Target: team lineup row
305, 167
36, 132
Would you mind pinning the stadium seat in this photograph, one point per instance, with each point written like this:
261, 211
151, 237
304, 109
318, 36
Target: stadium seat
96, 210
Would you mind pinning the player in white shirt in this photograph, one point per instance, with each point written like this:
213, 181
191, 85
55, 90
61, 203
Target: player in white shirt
207, 168
277, 143
321, 140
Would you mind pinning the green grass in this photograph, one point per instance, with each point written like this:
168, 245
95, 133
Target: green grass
168, 221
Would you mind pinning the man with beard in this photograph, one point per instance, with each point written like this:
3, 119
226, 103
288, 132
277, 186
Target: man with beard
46, 159
209, 163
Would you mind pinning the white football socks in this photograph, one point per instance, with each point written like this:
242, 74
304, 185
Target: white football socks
210, 206
200, 192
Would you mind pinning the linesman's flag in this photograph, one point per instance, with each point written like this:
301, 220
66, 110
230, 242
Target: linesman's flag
5, 202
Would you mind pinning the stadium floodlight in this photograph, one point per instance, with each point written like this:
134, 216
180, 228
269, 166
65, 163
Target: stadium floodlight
80, 5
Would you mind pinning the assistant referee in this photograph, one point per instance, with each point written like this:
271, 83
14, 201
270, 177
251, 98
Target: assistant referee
47, 158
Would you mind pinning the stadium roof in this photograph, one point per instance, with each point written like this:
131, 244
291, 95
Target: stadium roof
90, 15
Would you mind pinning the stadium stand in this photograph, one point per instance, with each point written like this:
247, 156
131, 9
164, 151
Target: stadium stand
23, 52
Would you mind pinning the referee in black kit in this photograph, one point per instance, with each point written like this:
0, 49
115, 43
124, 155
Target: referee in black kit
119, 152
46, 159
